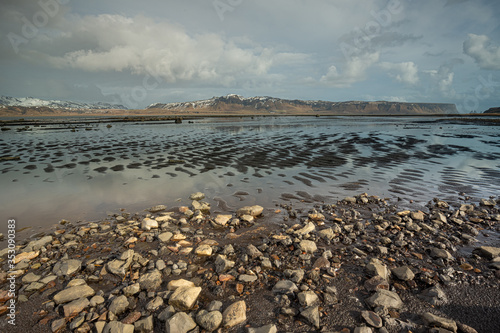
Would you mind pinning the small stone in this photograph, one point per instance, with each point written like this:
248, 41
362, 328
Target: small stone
403, 273
174, 284
362, 329
386, 299
144, 325
157, 208
222, 264
308, 298
308, 246
70, 294
285, 287
203, 251
75, 307
372, 318
58, 325
148, 224
487, 203
263, 329
34, 286
154, 304
433, 320
96, 300
165, 237
488, 252
184, 298
306, 229
179, 323
38, 244
223, 219
311, 314
119, 305
197, 196
150, 281
234, 314
253, 252
118, 327
440, 253
247, 278
26, 256
209, 321
434, 295
326, 234
375, 267
255, 210
67, 267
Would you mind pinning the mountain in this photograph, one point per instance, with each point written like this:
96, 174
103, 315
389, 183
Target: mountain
30, 102
493, 110
263, 104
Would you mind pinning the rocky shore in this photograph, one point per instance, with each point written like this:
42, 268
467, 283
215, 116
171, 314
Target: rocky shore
359, 265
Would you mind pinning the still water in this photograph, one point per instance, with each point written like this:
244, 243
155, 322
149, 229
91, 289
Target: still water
96, 170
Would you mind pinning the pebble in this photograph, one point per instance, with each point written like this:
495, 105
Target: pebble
234, 314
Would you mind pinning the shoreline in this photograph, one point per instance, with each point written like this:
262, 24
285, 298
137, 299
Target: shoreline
301, 267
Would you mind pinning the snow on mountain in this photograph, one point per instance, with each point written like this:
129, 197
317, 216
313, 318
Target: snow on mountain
55, 104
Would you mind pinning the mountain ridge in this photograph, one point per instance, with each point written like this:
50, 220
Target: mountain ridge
31, 102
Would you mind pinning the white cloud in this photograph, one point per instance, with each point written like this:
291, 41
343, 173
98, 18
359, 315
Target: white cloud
442, 80
406, 72
486, 55
353, 71
142, 46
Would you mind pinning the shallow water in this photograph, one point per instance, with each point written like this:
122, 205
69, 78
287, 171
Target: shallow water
87, 174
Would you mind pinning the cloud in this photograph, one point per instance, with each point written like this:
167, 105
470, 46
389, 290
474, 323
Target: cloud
406, 72
479, 48
161, 49
353, 71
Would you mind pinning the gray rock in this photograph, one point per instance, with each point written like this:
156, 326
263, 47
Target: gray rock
264, 329
295, 275
96, 300
489, 252
118, 327
250, 210
67, 267
34, 286
119, 305
150, 281
247, 278
70, 294
144, 325
234, 314
311, 314
403, 273
376, 268
30, 277
58, 325
285, 287
327, 234
434, 295
154, 304
214, 306
433, 320
209, 321
253, 252
308, 246
386, 299
179, 323
37, 244
372, 318
168, 312
197, 196
440, 253
157, 208
222, 264
132, 289
165, 236
375, 283
306, 229
308, 298
184, 298
363, 329
75, 307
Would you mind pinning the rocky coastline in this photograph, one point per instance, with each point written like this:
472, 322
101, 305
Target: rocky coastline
358, 265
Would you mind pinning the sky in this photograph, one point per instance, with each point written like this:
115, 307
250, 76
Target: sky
136, 53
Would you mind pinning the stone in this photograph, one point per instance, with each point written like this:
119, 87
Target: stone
253, 252
350, 200
157, 208
96, 300
255, 210
184, 298
263, 329
174, 284
306, 229
179, 323
144, 325
223, 219
308, 298
209, 321
376, 268
165, 236
132, 317
75, 307
34, 286
222, 264
285, 287
372, 318
433, 320
434, 295
26, 256
30, 277
234, 314
247, 278
132, 289
440, 253
247, 218
58, 325
326, 234
197, 196
385, 298
70, 294
118, 327
311, 314
119, 305
308, 246
487, 203
67, 267
362, 329
150, 281
295, 275
214, 306
118, 267
154, 304
203, 251
148, 224
488, 252
38, 244
403, 273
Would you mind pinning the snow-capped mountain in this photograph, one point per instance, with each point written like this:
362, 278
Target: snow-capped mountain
32, 102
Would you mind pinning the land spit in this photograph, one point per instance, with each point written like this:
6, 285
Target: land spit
358, 265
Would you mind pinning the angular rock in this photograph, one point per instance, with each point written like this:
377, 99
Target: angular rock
75, 307
326, 234
132, 289
58, 325
362, 329
203, 251
118, 327
434, 295
385, 298
306, 229
148, 224
308, 298
488, 252
440, 253
247, 278
209, 321
375, 283
157, 208
179, 323
184, 298
30, 277
285, 287
295, 275
255, 210
174, 284
144, 325
150, 281
165, 236
372, 318
435, 321
67, 267
70, 294
376, 267
311, 314
223, 219
263, 329
308, 246
253, 252
154, 304
403, 273
38, 244
222, 264
234, 314
96, 300
119, 305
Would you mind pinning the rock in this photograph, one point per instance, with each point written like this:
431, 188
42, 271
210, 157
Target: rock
197, 196
181, 283
306, 229
118, 327
350, 200
223, 219
234, 314
250, 210
326, 234
203, 251
202, 206
308, 246
34, 286
386, 299
465, 328
179, 323
375, 283
372, 318
433, 320
157, 208
165, 237
311, 314
183, 298
439, 217
247, 278
132, 289
209, 321
96, 300
362, 329
434, 295
150, 281
144, 325
376, 268
75, 307
247, 218
214, 306
285, 287
119, 305
403, 273
253, 252
67, 267
38, 244
488, 252
222, 264
70, 294
119, 267
440, 253
26, 256
308, 298
295, 275
58, 325
132, 317
264, 329
487, 203
30, 277
148, 224
154, 304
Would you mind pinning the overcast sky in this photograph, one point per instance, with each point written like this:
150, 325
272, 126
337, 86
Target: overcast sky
140, 52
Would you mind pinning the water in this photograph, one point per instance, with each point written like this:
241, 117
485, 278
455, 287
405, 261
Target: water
87, 174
